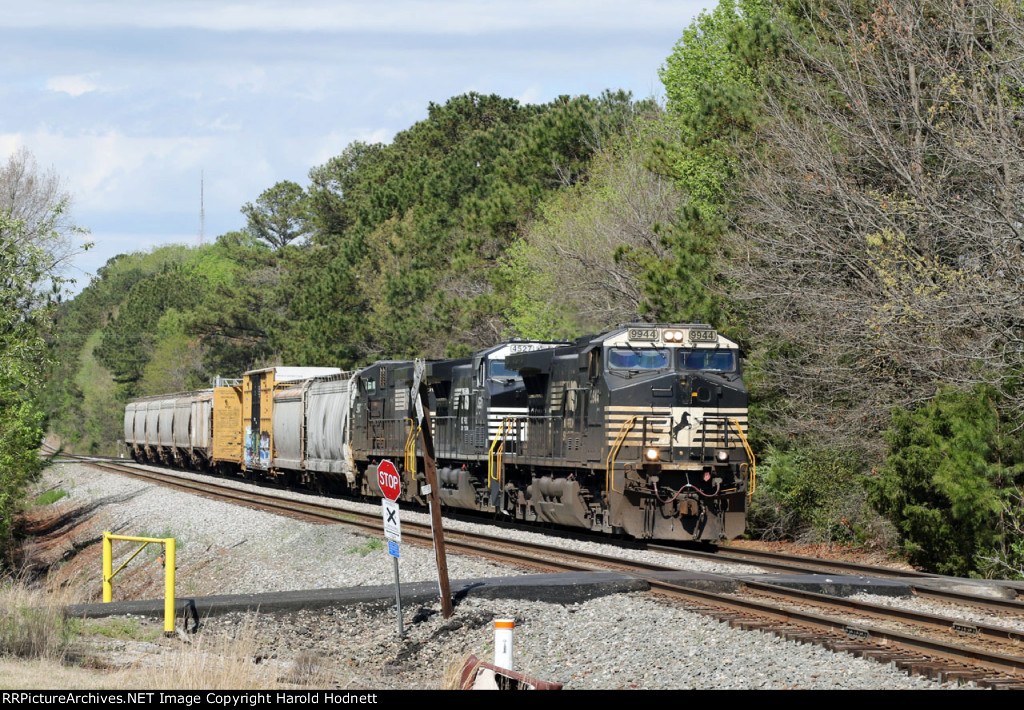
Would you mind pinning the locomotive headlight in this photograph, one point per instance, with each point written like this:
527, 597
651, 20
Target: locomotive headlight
722, 455
673, 336
652, 455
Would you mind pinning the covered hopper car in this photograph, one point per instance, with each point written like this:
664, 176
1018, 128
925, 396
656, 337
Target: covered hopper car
641, 430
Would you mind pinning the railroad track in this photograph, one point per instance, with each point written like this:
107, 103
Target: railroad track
944, 648
1003, 596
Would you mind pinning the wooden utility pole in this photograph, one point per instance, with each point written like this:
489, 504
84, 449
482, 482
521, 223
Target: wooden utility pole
430, 470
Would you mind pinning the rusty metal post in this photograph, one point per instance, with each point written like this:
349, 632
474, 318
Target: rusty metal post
430, 470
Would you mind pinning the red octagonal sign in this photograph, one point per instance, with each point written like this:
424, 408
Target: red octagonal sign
388, 480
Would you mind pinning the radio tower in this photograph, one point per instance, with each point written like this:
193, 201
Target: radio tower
202, 209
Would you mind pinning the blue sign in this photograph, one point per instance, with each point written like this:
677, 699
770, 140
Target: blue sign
392, 548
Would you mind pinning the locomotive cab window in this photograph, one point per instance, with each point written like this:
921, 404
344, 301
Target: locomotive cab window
499, 371
708, 360
637, 358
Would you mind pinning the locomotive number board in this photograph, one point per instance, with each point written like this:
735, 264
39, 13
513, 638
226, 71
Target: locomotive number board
703, 336
643, 333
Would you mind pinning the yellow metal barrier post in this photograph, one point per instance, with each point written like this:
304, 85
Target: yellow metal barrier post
108, 565
169, 548
169, 559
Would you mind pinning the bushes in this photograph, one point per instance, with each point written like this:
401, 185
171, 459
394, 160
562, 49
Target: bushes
810, 495
950, 486
948, 480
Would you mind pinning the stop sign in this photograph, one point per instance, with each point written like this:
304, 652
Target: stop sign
388, 480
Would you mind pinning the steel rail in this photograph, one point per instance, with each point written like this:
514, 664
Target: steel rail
1013, 665
784, 562
491, 547
370, 522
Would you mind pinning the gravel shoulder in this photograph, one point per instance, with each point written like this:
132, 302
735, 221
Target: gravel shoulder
619, 641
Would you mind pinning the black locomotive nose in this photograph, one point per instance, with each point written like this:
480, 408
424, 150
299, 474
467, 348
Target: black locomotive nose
698, 391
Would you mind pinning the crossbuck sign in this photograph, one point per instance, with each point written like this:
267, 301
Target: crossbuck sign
392, 525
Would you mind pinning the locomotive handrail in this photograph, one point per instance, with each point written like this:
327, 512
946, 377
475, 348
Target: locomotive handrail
609, 476
444, 432
719, 420
499, 463
750, 455
410, 446
493, 458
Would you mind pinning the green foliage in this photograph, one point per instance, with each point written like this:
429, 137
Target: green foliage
952, 465
25, 317
410, 235
130, 339
809, 494
577, 268
710, 84
159, 322
84, 402
280, 214
686, 286
21, 433
713, 83
51, 496
231, 328
371, 545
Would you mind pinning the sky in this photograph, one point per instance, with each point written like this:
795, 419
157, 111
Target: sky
135, 104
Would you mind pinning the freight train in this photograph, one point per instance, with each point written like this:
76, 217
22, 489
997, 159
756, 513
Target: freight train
639, 431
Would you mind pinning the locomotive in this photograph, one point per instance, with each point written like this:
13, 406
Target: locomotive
639, 431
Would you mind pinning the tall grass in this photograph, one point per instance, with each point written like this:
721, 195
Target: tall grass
222, 663
33, 625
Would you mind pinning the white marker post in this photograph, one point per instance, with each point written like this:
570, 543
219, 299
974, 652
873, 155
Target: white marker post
503, 656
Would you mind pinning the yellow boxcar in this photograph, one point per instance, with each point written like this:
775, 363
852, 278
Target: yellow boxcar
227, 424
256, 419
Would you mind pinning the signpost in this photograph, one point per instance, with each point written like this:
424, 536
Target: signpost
388, 479
391, 486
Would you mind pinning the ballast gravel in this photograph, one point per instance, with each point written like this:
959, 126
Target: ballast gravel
617, 641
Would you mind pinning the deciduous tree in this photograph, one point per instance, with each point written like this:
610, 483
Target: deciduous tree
878, 221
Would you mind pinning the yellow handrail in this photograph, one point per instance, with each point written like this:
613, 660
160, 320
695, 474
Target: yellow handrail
609, 476
410, 447
499, 467
750, 455
491, 456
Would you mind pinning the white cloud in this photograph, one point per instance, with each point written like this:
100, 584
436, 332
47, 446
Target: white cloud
73, 85
110, 171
